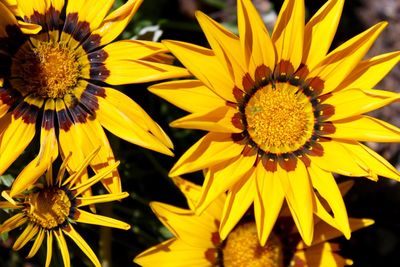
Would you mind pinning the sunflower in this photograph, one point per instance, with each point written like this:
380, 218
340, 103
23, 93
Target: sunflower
58, 81
50, 208
197, 242
282, 114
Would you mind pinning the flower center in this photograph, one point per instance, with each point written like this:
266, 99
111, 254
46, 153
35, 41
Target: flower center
279, 118
49, 70
243, 249
48, 208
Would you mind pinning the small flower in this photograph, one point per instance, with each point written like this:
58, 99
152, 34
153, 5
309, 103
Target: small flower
282, 114
50, 208
197, 242
58, 82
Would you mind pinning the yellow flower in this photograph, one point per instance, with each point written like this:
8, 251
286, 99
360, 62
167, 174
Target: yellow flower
197, 243
51, 207
283, 114
58, 81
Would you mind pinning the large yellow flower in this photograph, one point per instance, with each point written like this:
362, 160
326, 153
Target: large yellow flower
197, 243
51, 207
58, 81
282, 113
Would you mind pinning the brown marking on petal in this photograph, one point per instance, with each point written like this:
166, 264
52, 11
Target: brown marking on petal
98, 56
215, 238
283, 68
99, 71
37, 18
92, 42
324, 97
305, 159
262, 73
211, 255
238, 94
48, 119
302, 71
237, 121
79, 30
8, 96
249, 151
27, 112
89, 101
288, 162
248, 83
315, 85
64, 120
324, 111
315, 149
238, 138
269, 163
95, 90
79, 115
327, 128
52, 18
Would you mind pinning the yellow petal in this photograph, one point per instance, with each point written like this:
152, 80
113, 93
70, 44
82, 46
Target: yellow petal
339, 63
15, 221
29, 28
29, 232
204, 65
182, 222
90, 218
321, 255
222, 177
190, 190
7, 18
90, 11
288, 33
70, 231
49, 250
63, 247
256, 42
217, 120
212, 149
28, 8
376, 164
238, 201
371, 71
226, 47
37, 243
325, 184
319, 32
268, 201
190, 95
299, 195
127, 127
353, 102
365, 128
167, 253
85, 201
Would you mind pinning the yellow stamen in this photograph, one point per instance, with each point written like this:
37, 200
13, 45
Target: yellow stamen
49, 70
279, 119
242, 249
48, 208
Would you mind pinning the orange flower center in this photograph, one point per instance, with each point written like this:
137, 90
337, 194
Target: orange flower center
48, 208
242, 249
279, 118
49, 70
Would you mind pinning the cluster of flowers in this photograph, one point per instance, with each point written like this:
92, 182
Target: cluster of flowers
282, 114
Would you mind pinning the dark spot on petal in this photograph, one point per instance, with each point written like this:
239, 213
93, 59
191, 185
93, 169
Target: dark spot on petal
99, 71
95, 90
27, 112
269, 161
79, 30
92, 42
98, 56
48, 119
247, 83
288, 162
64, 120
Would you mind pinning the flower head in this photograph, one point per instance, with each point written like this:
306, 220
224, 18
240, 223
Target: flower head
282, 114
58, 81
197, 242
50, 207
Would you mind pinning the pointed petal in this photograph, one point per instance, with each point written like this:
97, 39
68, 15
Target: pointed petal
190, 190
255, 40
49, 250
167, 253
70, 232
63, 247
365, 128
268, 201
15, 221
353, 102
204, 65
90, 218
288, 33
190, 95
339, 63
238, 201
212, 149
217, 120
299, 196
226, 47
370, 72
320, 31
325, 184
29, 232
222, 177
85, 201
37, 243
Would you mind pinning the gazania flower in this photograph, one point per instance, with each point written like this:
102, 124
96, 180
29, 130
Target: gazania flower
50, 208
282, 114
197, 243
58, 81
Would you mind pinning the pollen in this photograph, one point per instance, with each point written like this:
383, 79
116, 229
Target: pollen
49, 70
279, 118
242, 249
48, 208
